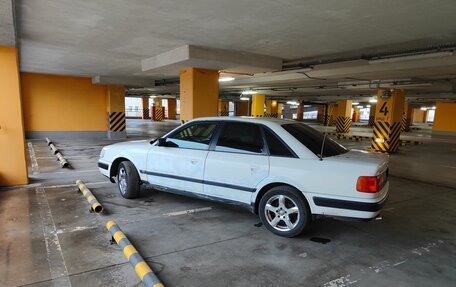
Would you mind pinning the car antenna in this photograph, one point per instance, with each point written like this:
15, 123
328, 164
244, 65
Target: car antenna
326, 132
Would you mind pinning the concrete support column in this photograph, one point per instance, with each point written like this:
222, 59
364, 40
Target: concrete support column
321, 110
271, 109
372, 115
331, 114
13, 165
279, 110
355, 117
258, 105
199, 93
407, 116
116, 111
145, 108
445, 118
388, 117
242, 108
172, 108
287, 113
344, 108
300, 112
223, 108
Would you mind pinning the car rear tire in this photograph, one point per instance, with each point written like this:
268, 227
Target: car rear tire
128, 180
284, 211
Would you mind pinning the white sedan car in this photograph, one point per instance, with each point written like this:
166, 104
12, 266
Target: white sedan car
285, 171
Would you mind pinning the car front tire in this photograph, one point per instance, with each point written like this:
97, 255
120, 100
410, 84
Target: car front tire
284, 211
128, 180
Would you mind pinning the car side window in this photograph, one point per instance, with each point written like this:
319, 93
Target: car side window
196, 136
275, 145
240, 138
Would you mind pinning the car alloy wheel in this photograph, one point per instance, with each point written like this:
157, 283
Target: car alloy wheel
282, 213
122, 178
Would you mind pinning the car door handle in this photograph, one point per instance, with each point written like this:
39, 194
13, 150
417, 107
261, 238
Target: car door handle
194, 161
254, 168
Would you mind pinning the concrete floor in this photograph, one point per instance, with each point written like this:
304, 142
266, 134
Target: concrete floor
49, 238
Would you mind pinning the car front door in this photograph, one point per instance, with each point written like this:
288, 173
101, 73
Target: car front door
237, 163
179, 163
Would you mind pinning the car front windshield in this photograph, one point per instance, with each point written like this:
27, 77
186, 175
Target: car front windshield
313, 140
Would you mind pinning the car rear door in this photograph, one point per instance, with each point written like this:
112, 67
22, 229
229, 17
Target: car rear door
180, 164
236, 163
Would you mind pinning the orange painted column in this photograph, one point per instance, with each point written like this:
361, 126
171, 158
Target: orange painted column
13, 165
171, 109
242, 108
199, 93
343, 120
388, 117
117, 126
300, 112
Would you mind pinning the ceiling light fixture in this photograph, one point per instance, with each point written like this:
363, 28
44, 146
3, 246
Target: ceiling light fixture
244, 98
373, 101
249, 92
355, 103
226, 79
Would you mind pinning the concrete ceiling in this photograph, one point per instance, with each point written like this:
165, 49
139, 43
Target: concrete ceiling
7, 33
112, 37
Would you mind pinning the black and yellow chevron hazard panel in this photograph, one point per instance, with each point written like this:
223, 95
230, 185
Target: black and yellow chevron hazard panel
343, 124
116, 121
142, 269
146, 114
183, 122
224, 113
157, 114
386, 136
405, 124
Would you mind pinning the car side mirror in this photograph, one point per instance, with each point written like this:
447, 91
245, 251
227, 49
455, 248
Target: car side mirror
161, 142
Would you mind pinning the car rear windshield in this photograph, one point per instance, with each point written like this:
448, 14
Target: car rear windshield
313, 140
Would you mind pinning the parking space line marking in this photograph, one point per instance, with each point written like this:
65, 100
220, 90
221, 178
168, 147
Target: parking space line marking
33, 160
189, 211
74, 185
448, 166
56, 261
70, 171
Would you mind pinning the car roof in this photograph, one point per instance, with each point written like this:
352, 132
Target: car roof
258, 120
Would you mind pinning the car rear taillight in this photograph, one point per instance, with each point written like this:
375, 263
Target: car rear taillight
367, 184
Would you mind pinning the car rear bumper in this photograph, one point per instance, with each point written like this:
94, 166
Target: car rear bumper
350, 205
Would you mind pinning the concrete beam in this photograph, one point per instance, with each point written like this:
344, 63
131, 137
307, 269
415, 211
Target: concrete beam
126, 81
7, 26
169, 63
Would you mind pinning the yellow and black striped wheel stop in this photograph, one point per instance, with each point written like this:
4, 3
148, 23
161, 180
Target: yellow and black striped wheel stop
143, 270
343, 124
95, 206
116, 121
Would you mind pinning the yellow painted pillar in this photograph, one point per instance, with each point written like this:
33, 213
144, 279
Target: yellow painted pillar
300, 112
332, 114
279, 110
242, 108
145, 108
116, 111
271, 109
372, 115
258, 105
388, 117
223, 108
445, 117
406, 118
158, 111
344, 108
355, 117
321, 109
171, 109
13, 165
199, 93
